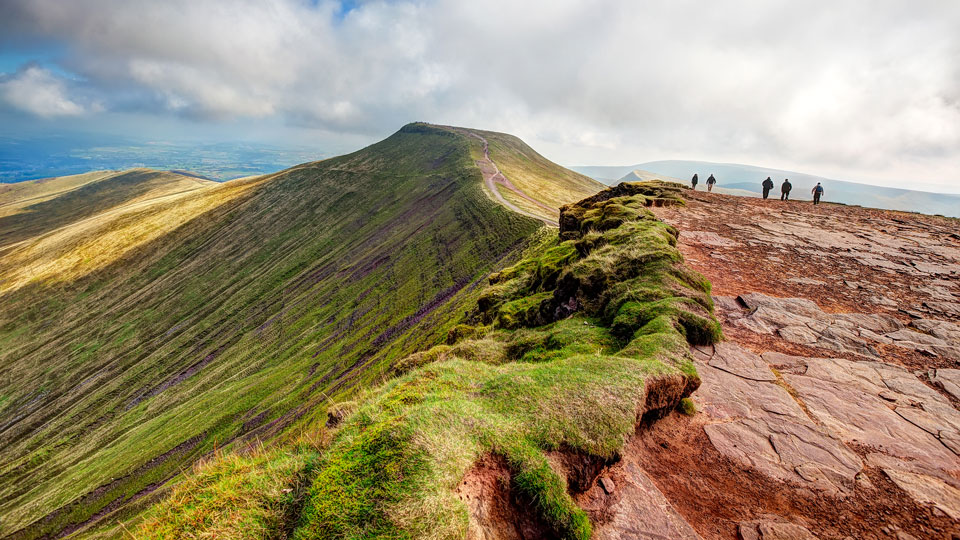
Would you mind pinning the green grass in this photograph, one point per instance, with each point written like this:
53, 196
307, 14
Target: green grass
617, 311
247, 319
687, 407
537, 176
233, 496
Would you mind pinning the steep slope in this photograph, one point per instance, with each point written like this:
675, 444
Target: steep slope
32, 208
499, 432
80, 247
266, 299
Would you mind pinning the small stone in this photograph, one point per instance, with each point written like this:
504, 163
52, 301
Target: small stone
607, 485
889, 396
748, 531
905, 536
784, 531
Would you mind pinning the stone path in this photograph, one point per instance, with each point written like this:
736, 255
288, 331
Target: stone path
803, 425
863, 411
801, 321
862, 258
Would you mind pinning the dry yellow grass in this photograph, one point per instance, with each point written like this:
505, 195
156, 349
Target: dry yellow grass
14, 197
79, 248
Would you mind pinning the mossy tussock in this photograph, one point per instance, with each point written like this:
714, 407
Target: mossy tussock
565, 351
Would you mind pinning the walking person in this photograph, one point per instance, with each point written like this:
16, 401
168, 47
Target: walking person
710, 182
767, 186
817, 191
694, 181
785, 188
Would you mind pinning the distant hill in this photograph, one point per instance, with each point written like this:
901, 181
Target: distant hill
34, 207
746, 179
646, 176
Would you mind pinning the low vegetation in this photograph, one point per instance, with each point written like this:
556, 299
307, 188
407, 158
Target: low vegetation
236, 496
566, 350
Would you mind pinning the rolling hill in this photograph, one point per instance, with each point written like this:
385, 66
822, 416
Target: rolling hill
148, 318
747, 178
33, 208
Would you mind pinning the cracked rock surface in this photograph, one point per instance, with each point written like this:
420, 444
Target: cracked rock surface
803, 426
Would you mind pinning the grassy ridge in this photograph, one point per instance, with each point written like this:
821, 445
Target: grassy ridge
563, 352
248, 317
569, 348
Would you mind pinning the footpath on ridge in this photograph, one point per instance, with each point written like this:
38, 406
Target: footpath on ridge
493, 177
830, 411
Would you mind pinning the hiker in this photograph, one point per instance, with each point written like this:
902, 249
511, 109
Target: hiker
785, 190
817, 191
694, 181
767, 186
710, 182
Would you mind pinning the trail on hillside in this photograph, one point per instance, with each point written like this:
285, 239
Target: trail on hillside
493, 176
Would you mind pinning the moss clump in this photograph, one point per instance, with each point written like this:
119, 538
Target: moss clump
687, 407
559, 354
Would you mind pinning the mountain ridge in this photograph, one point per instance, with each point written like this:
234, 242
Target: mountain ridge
260, 301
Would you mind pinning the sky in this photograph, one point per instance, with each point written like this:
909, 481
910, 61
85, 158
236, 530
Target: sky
847, 89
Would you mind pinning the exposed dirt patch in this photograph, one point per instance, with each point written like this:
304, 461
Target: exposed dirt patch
496, 513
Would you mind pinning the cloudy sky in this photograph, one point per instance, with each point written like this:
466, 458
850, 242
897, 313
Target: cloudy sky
856, 90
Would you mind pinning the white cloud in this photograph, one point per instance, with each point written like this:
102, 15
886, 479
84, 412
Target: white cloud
862, 90
38, 91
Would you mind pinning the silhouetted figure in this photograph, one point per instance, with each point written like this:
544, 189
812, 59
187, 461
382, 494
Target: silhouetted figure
694, 181
767, 186
710, 182
785, 188
817, 192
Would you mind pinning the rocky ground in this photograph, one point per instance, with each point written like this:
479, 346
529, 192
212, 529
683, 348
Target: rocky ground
831, 409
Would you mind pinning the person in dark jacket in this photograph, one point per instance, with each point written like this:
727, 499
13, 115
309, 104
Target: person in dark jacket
767, 186
694, 181
817, 191
710, 182
785, 188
